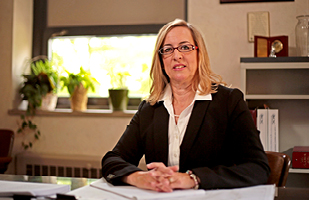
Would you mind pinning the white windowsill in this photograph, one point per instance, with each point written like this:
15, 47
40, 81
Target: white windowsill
68, 112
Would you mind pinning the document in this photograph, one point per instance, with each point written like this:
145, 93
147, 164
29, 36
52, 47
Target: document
9, 188
105, 191
131, 192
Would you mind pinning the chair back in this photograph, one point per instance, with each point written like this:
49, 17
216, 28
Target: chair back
279, 164
6, 142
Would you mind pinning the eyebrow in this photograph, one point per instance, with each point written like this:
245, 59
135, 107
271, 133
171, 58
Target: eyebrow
183, 42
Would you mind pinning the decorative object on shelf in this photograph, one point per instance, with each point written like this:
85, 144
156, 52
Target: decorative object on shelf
78, 85
118, 94
276, 46
40, 90
302, 35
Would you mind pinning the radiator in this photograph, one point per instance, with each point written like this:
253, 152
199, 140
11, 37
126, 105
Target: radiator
34, 164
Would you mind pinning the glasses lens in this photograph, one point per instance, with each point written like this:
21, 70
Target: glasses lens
185, 48
166, 50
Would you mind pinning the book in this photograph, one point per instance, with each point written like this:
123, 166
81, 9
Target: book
267, 123
261, 125
11, 188
300, 157
273, 129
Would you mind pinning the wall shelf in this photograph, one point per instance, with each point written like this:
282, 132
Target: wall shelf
281, 83
301, 171
275, 96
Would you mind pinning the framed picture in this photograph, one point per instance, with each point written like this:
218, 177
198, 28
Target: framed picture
246, 1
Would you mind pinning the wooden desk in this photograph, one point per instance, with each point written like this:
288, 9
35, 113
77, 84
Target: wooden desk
283, 193
292, 194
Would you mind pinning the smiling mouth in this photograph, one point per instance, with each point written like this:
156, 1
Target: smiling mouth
179, 67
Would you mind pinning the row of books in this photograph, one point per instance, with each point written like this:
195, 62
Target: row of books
267, 122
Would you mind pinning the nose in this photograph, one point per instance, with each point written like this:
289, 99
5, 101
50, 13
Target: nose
177, 54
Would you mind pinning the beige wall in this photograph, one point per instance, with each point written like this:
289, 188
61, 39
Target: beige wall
225, 30
116, 12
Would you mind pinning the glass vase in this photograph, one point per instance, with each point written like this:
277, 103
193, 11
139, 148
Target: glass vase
302, 35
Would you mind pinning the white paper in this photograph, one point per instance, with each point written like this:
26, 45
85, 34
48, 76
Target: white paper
9, 188
131, 192
105, 191
260, 192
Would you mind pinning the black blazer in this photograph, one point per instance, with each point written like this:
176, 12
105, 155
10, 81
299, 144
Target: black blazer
221, 144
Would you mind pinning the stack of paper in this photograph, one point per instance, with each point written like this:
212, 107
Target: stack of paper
131, 192
101, 190
10, 188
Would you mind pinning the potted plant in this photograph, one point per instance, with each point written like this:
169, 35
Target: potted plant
118, 94
39, 89
40, 86
78, 85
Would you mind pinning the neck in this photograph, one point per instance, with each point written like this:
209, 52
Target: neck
182, 97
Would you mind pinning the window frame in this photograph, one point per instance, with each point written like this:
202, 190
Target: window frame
42, 33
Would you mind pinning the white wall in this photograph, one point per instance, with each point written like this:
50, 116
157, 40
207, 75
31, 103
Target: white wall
225, 30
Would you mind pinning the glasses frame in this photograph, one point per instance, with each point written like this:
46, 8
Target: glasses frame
179, 49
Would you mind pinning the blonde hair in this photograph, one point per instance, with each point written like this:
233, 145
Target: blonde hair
204, 76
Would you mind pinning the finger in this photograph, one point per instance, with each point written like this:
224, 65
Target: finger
174, 168
154, 165
164, 184
156, 173
161, 168
171, 179
181, 181
144, 180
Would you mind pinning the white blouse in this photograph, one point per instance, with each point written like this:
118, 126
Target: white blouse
177, 131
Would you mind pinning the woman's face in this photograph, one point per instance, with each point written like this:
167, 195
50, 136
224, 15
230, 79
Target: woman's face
180, 66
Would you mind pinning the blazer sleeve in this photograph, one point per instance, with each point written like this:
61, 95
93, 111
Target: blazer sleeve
244, 162
124, 158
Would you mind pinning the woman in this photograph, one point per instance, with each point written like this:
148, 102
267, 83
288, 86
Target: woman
193, 131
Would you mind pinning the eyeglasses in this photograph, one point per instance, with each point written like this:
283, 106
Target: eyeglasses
182, 48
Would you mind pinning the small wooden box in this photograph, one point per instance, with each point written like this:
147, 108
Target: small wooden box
300, 157
263, 46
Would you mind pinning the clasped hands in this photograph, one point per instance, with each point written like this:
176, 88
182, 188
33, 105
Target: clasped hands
160, 178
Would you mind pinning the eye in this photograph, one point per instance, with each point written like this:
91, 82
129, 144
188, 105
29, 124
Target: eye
185, 47
167, 49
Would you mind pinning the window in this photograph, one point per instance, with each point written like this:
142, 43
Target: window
44, 32
107, 54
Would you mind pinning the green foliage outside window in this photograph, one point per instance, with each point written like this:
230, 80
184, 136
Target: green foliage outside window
106, 58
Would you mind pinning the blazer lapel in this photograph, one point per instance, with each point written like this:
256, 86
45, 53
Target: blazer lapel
196, 120
161, 119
